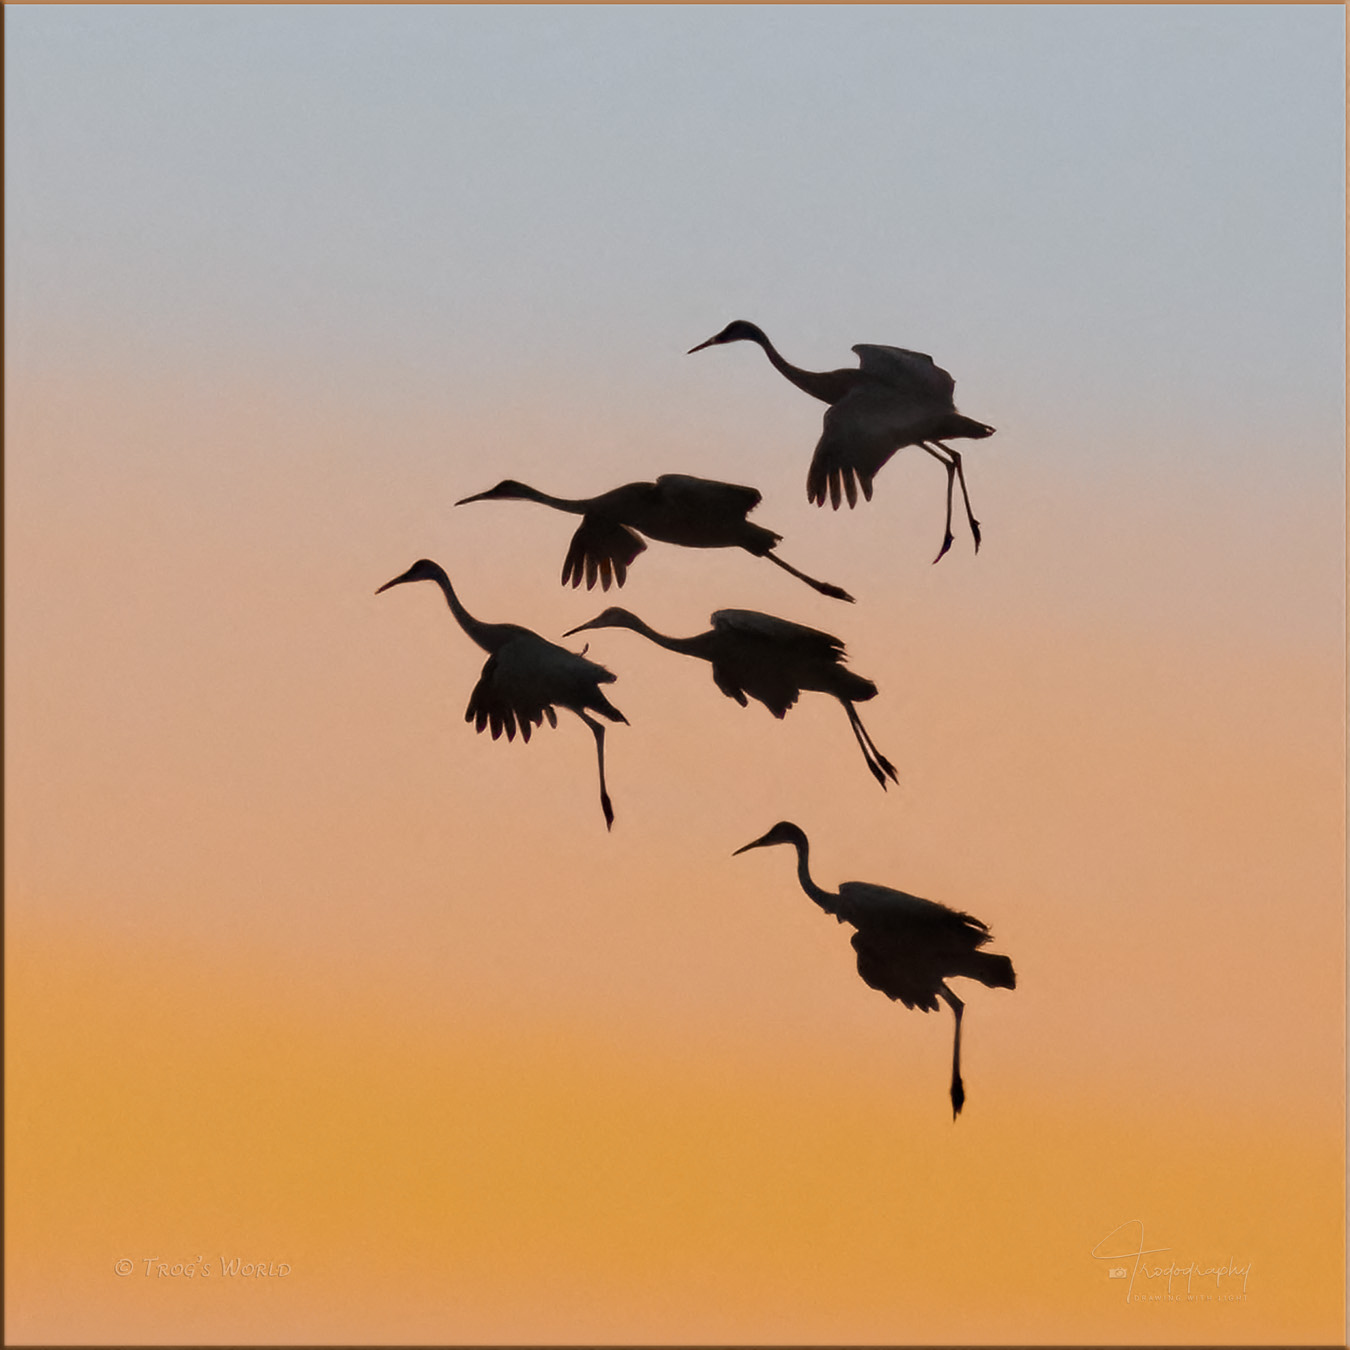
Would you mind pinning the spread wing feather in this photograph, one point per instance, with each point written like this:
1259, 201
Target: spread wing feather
704, 494
600, 548
788, 636
523, 681
914, 373
769, 658
882, 909
860, 433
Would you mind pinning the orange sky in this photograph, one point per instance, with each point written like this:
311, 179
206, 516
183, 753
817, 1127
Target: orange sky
300, 969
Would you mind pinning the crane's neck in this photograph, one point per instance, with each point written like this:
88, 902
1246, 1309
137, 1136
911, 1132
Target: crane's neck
828, 900
690, 646
827, 385
571, 504
486, 635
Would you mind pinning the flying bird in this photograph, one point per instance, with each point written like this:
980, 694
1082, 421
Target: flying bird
893, 399
907, 948
525, 677
676, 509
771, 660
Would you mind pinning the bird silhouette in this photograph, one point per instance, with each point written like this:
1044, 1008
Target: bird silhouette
676, 509
771, 660
893, 399
525, 677
907, 948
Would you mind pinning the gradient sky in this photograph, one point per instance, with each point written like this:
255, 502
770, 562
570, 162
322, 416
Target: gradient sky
300, 970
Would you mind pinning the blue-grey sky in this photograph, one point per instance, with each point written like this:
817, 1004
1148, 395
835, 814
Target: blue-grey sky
1092, 201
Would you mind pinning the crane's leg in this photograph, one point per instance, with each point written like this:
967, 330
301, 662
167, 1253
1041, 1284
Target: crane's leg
961, 474
882, 762
880, 766
950, 466
824, 587
958, 1088
599, 733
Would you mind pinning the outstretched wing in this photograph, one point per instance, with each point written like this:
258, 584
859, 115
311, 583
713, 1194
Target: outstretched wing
913, 373
493, 703
881, 909
894, 971
701, 513
789, 637
768, 658
600, 548
861, 432
685, 492
525, 680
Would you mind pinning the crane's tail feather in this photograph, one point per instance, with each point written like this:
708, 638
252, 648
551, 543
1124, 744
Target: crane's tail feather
605, 708
992, 970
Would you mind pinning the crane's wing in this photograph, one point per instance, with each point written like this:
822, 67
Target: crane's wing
707, 494
783, 633
860, 433
768, 658
493, 703
897, 971
912, 966
884, 910
914, 373
523, 681
701, 513
602, 548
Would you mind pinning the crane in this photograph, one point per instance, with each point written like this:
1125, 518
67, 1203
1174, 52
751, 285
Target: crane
676, 509
769, 659
525, 677
908, 948
893, 399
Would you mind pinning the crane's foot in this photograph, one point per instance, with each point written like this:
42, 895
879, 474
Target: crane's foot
835, 592
946, 544
975, 530
958, 1097
608, 810
887, 768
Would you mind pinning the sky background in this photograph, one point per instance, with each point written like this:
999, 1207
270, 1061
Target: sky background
300, 970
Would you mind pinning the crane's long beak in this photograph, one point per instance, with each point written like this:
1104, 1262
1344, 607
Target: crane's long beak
395, 582
700, 346
589, 624
754, 844
477, 497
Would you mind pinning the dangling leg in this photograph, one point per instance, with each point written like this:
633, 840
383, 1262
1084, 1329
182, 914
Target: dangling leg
824, 587
951, 479
599, 732
961, 474
958, 1088
886, 766
879, 765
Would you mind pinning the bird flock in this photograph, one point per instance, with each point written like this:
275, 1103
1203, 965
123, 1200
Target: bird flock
907, 947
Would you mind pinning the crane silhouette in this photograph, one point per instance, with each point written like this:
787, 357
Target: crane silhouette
771, 660
676, 509
893, 399
908, 948
525, 676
